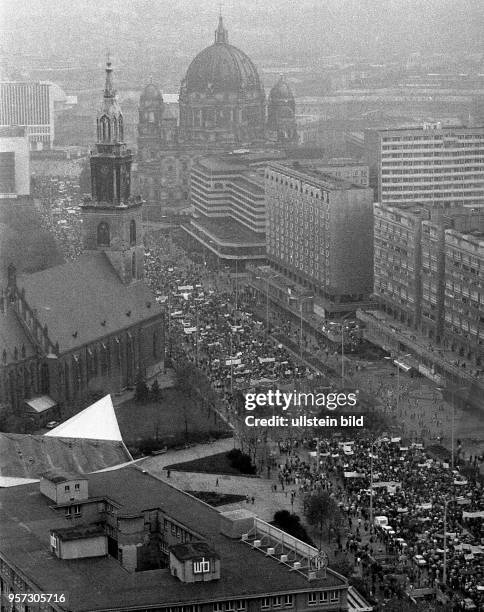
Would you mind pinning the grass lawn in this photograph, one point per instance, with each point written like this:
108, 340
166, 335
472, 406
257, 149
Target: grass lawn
217, 499
214, 464
173, 419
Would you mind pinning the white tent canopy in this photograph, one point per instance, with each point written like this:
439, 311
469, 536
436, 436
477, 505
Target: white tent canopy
96, 422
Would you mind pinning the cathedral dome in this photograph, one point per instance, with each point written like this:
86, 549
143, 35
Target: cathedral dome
222, 68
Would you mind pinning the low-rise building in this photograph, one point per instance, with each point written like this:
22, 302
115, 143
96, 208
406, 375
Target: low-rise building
124, 540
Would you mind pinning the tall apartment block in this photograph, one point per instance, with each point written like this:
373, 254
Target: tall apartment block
29, 105
320, 231
14, 163
432, 165
228, 202
429, 273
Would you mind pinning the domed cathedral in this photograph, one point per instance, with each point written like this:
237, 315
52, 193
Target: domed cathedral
281, 114
112, 220
222, 107
222, 101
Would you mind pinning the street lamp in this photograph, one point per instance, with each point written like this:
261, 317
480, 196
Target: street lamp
398, 374
453, 391
371, 486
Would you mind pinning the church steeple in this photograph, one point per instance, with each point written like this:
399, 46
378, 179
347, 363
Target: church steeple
110, 128
221, 33
111, 164
112, 218
109, 91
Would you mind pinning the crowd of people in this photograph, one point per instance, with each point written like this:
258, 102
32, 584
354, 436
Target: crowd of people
225, 340
59, 207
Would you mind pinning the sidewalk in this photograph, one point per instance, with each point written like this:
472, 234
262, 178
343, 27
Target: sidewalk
266, 500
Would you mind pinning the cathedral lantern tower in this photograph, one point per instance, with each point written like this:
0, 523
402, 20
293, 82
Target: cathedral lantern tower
111, 218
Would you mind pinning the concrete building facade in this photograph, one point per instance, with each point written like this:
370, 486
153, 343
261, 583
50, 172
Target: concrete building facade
29, 105
320, 231
14, 163
429, 273
432, 165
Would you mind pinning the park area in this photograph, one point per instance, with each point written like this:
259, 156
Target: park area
173, 419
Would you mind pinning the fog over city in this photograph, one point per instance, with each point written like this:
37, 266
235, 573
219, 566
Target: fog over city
155, 32
241, 305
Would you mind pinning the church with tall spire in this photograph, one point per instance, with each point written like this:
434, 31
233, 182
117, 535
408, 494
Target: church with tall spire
92, 324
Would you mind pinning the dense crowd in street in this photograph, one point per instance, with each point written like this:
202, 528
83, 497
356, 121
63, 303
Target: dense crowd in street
59, 200
225, 340
411, 490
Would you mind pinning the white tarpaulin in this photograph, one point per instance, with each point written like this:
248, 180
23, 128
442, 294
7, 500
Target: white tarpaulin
233, 362
266, 359
96, 422
353, 475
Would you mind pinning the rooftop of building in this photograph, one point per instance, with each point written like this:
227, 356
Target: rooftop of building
328, 181
430, 128
239, 159
84, 300
79, 532
193, 550
228, 230
101, 583
58, 476
31, 456
251, 182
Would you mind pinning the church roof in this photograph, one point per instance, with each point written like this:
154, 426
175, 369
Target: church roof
84, 300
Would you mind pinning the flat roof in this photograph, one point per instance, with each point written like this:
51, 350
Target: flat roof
102, 583
330, 181
228, 230
57, 476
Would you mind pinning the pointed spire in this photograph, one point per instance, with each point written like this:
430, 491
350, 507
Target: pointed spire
221, 33
109, 91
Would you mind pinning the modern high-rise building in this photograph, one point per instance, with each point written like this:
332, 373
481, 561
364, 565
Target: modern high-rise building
29, 105
434, 165
14, 163
320, 231
229, 220
429, 273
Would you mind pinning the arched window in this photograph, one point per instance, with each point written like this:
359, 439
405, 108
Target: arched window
132, 232
133, 265
103, 238
155, 345
120, 128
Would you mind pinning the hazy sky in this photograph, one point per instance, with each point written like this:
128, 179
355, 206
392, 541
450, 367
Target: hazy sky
263, 28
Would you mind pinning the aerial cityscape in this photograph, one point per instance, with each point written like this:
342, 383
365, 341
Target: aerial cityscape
241, 306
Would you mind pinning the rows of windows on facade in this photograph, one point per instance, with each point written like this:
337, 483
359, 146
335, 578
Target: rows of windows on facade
90, 324
153, 546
